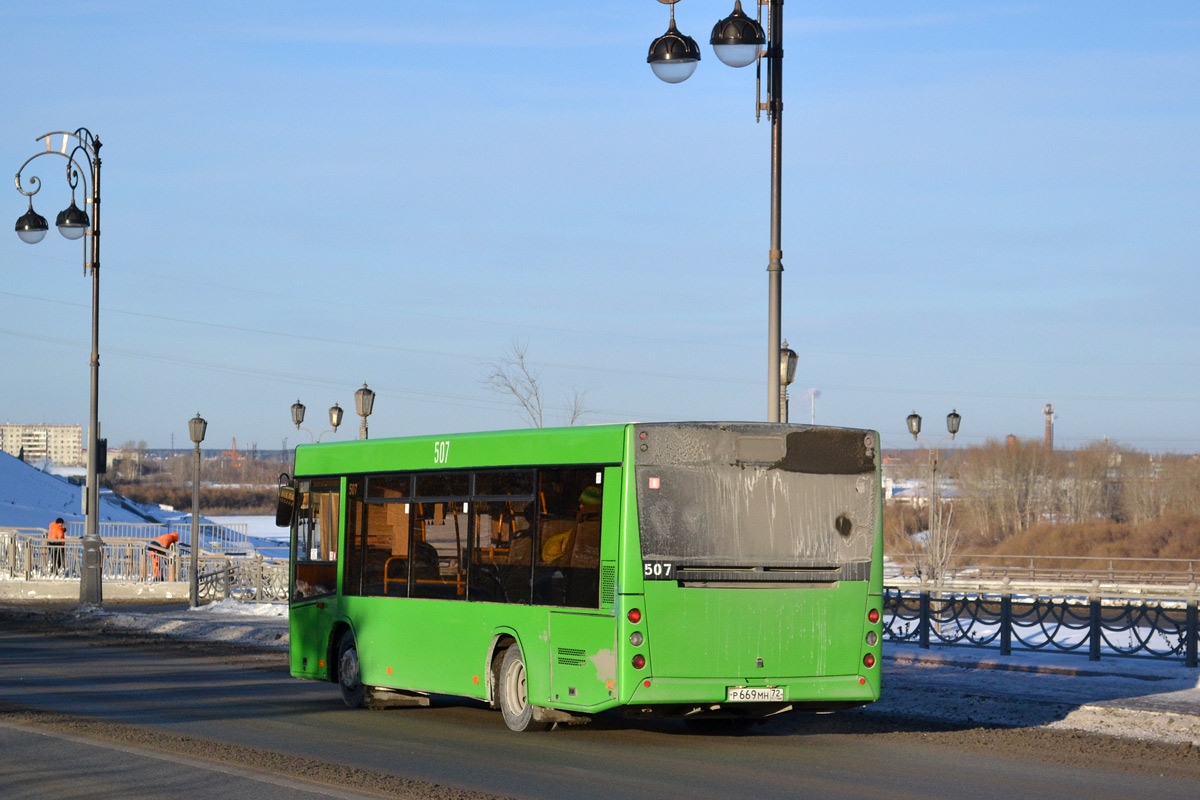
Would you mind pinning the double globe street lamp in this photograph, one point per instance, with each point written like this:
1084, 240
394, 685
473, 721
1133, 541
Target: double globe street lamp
938, 547
364, 402
738, 41
81, 149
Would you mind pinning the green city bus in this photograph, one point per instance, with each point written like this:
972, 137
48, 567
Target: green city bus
717, 572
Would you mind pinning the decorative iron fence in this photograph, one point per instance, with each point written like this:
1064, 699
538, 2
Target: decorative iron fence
1140, 621
255, 580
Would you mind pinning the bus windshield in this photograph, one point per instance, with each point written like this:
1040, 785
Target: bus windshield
745, 497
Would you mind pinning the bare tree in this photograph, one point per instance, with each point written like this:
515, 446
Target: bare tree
577, 405
1007, 486
512, 375
1086, 488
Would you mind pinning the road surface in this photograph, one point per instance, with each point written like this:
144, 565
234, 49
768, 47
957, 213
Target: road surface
83, 715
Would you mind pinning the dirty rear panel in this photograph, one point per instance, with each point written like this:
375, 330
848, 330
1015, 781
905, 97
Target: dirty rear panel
746, 502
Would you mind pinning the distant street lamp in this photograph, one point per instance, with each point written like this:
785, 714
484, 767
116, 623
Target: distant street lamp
83, 163
196, 428
335, 419
938, 548
364, 401
787, 374
738, 41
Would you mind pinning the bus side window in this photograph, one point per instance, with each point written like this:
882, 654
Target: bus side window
385, 561
567, 550
439, 547
501, 556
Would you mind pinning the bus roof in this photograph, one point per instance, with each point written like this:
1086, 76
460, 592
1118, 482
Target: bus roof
597, 444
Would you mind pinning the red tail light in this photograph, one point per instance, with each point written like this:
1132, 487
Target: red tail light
639, 661
868, 661
634, 615
873, 616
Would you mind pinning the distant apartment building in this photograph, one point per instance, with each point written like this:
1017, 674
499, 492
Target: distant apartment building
62, 444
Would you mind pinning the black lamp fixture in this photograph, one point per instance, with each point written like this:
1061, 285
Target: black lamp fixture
673, 56
953, 419
197, 426
72, 222
364, 401
31, 226
914, 424
787, 364
787, 374
738, 39
298, 414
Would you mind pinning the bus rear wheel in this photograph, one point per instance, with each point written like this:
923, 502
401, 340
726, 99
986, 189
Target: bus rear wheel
354, 694
514, 694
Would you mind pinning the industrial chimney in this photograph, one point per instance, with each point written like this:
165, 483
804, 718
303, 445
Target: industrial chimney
1049, 412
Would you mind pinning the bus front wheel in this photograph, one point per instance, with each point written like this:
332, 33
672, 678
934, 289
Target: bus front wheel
350, 672
514, 694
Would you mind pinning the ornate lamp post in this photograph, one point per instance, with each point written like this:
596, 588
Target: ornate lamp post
196, 428
335, 418
82, 152
738, 40
364, 401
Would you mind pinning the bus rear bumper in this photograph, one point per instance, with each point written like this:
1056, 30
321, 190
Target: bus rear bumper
686, 696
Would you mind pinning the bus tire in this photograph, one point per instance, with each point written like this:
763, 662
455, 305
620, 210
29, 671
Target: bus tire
354, 694
513, 694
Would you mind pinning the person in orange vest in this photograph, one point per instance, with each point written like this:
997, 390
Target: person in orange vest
56, 535
160, 546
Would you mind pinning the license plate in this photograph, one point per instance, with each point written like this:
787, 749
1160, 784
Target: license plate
754, 694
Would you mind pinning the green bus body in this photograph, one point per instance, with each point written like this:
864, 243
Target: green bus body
751, 553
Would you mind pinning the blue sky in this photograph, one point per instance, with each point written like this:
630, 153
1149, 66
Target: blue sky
987, 207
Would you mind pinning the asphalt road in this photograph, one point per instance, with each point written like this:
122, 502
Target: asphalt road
104, 718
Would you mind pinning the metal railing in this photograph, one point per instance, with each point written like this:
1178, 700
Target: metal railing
229, 538
1054, 569
1149, 621
26, 554
256, 580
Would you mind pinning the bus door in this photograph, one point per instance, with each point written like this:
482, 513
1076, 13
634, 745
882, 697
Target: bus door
314, 574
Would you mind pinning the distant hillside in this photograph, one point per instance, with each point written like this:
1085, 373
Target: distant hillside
30, 498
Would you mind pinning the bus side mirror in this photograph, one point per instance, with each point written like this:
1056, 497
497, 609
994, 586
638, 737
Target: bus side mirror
286, 508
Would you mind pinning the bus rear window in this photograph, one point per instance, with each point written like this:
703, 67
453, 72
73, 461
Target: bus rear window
755, 496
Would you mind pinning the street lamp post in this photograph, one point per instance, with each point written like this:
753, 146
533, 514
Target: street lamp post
364, 401
82, 151
196, 428
787, 374
335, 418
938, 547
737, 40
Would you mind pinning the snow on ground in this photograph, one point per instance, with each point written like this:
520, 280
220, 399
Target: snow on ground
261, 624
237, 608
